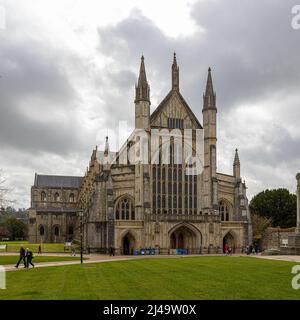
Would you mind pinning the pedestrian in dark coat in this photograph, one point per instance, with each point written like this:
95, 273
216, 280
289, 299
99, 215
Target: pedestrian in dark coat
29, 257
22, 257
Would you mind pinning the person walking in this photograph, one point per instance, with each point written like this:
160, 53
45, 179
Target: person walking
226, 249
22, 257
73, 252
29, 257
250, 249
40, 249
247, 250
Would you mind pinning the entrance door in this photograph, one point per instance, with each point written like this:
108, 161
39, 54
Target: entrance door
184, 238
126, 245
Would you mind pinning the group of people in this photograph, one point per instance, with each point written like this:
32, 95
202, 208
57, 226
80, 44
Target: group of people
26, 256
229, 250
252, 249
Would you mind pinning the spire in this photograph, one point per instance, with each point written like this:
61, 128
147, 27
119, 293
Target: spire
142, 89
175, 74
237, 165
236, 161
106, 148
209, 98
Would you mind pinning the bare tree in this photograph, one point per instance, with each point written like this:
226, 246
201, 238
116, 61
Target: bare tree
3, 191
260, 225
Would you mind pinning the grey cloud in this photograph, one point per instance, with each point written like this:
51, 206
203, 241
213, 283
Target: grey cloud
253, 47
34, 81
254, 54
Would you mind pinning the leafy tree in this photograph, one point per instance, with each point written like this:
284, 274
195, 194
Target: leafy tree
259, 225
16, 228
279, 205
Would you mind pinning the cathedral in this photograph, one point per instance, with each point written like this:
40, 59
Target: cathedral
161, 190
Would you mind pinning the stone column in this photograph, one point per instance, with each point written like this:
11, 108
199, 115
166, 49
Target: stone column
298, 203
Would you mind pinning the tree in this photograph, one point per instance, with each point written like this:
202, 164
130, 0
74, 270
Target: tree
259, 225
16, 228
279, 205
3, 190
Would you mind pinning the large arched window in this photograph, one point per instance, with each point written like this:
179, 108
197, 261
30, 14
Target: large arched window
43, 196
124, 209
225, 210
56, 197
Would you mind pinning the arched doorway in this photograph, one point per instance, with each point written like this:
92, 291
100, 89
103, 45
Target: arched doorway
229, 242
185, 237
128, 244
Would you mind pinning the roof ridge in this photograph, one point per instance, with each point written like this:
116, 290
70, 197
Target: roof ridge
167, 97
57, 175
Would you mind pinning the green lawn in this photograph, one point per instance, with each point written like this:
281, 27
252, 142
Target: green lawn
14, 246
180, 278
4, 260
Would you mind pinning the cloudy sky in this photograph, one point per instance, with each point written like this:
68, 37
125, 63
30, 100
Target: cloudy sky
68, 69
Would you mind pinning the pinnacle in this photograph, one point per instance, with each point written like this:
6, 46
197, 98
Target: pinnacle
236, 158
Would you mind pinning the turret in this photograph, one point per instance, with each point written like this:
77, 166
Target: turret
209, 98
237, 166
210, 143
175, 74
142, 100
106, 147
106, 160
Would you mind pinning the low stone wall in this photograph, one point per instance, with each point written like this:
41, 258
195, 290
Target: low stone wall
274, 238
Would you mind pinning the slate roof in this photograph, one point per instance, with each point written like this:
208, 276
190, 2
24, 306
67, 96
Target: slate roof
56, 210
44, 181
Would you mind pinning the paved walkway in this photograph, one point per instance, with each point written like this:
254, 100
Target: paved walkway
280, 258
91, 259
100, 258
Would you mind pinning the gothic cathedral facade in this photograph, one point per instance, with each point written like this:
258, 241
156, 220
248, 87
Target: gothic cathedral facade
164, 202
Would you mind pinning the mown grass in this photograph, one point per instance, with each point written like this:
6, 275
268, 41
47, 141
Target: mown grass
178, 278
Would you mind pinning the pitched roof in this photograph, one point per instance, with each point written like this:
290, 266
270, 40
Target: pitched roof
57, 181
166, 99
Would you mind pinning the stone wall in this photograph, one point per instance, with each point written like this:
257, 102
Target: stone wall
273, 238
